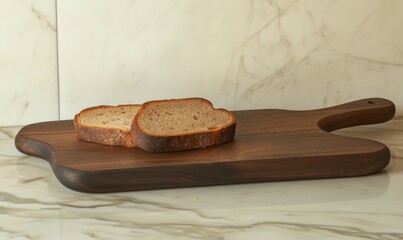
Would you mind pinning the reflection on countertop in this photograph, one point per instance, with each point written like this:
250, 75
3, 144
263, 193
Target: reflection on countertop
34, 205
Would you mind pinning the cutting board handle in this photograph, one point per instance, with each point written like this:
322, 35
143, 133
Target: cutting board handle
360, 112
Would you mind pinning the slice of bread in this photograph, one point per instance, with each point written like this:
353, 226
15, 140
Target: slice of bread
182, 124
107, 125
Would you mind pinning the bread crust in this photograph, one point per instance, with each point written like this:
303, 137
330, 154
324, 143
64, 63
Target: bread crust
180, 142
104, 135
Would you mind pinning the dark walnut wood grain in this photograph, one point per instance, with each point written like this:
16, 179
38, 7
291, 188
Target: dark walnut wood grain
270, 145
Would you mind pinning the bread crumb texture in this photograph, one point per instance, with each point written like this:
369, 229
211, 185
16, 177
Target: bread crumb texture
119, 117
181, 117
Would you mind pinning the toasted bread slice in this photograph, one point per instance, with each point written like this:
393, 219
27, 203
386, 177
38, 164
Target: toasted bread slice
181, 124
107, 125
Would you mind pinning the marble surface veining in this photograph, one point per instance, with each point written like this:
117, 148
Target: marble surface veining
294, 54
34, 205
28, 62
240, 54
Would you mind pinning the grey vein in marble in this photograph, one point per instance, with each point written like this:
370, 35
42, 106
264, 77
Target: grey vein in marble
42, 17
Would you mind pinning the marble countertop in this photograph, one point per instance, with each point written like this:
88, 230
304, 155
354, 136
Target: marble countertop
34, 205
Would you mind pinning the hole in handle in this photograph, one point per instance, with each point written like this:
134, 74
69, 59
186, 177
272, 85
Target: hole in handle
373, 102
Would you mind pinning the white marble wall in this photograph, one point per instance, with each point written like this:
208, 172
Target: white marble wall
28, 62
240, 54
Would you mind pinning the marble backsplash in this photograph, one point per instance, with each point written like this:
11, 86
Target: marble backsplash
28, 62
293, 54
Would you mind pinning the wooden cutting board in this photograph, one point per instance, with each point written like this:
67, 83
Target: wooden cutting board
269, 145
